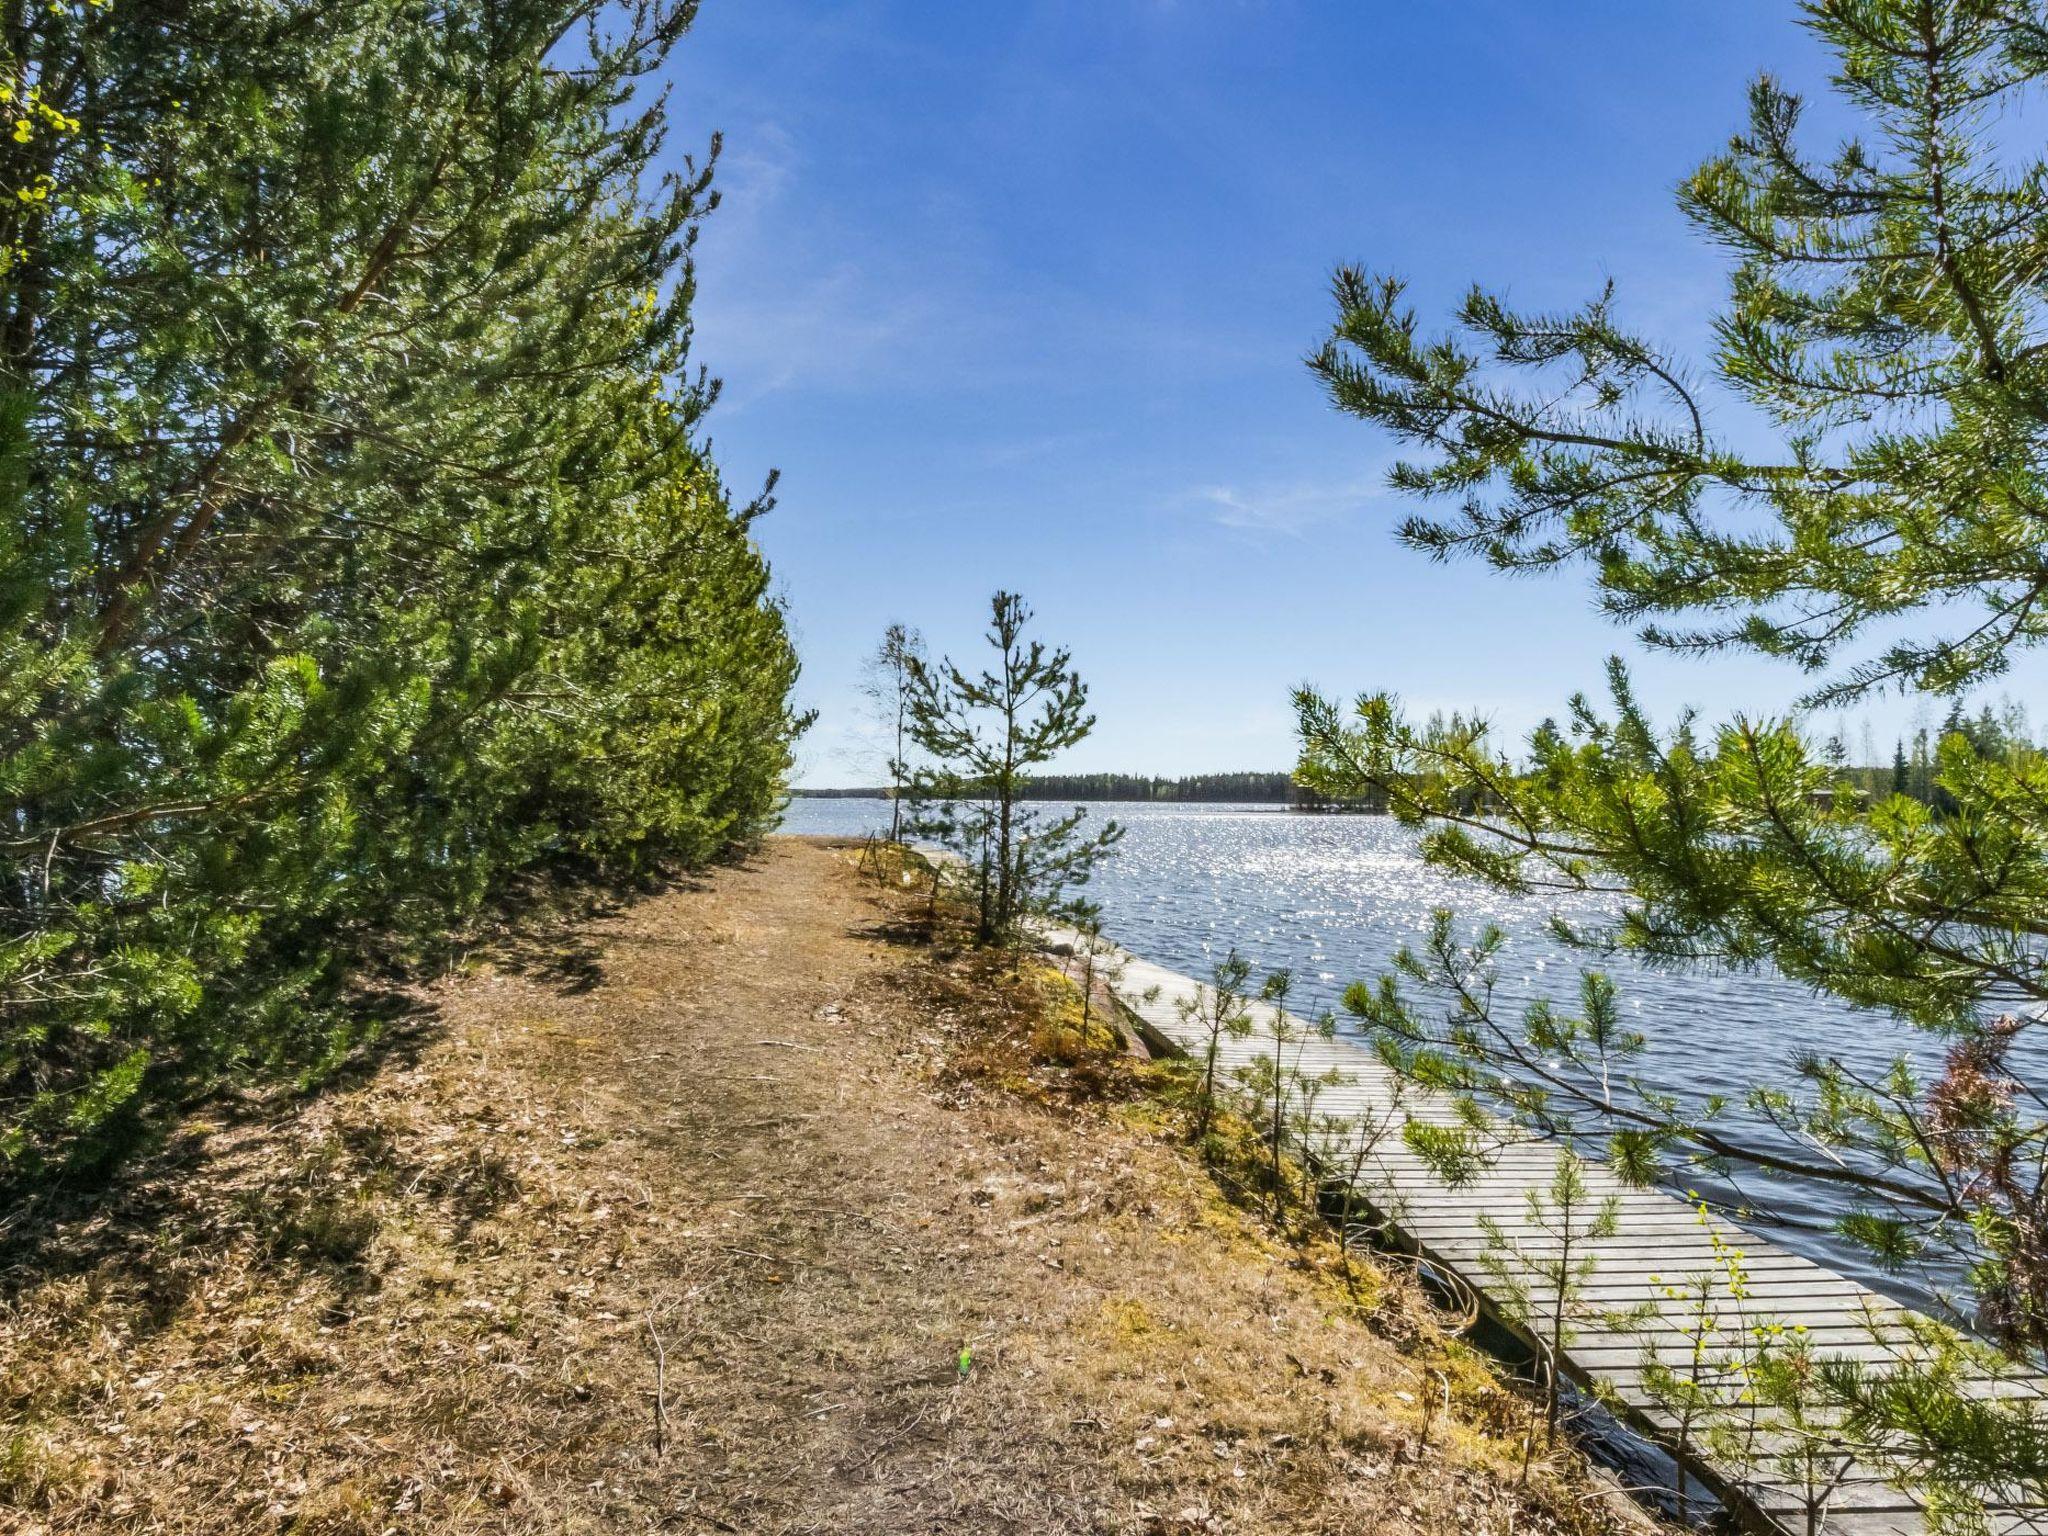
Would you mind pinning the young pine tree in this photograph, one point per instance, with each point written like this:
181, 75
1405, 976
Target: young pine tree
1279, 1090
983, 733
886, 684
1217, 1012
1541, 1268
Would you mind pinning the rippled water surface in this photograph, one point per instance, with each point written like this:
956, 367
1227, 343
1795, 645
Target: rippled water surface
1334, 897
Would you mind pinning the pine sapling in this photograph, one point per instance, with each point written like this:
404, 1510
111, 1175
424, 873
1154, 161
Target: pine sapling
1542, 1278
1217, 1012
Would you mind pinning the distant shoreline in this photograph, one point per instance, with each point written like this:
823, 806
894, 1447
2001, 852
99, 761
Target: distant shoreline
883, 793
1283, 796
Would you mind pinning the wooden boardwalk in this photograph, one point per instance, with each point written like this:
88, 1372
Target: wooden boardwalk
1794, 1482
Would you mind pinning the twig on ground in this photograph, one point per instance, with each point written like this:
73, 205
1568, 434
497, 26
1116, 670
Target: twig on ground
660, 1387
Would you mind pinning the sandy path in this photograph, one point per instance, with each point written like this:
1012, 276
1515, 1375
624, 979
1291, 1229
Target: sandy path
1140, 1360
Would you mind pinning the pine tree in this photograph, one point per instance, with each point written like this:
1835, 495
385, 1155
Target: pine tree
1541, 1268
1884, 314
358, 554
1923, 768
1282, 1093
985, 732
886, 684
1219, 1011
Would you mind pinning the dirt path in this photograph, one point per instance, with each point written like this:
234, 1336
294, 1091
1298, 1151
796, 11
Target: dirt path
720, 1141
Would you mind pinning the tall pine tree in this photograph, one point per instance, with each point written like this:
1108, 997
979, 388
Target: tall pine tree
1885, 315
356, 551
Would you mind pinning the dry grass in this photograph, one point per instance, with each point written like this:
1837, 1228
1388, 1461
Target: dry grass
778, 1135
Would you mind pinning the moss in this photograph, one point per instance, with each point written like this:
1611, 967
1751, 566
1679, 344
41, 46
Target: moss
1128, 1320
1065, 1033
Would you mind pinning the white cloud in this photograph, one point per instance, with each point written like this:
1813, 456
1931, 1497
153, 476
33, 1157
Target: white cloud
800, 288
754, 171
833, 329
1291, 510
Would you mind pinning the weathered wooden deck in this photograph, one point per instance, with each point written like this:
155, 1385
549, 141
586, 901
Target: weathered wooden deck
1663, 1242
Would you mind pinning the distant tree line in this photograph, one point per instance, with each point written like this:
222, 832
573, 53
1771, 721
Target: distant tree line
2000, 735
1244, 788
1191, 789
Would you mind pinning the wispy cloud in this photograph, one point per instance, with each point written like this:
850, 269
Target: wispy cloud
1290, 510
769, 311
804, 287
755, 170
832, 329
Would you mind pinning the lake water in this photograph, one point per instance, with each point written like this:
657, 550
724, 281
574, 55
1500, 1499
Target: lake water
1333, 897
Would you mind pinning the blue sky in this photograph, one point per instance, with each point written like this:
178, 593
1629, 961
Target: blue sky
1018, 294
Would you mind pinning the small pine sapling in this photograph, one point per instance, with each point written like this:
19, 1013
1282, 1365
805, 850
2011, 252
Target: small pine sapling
1217, 1012
1542, 1276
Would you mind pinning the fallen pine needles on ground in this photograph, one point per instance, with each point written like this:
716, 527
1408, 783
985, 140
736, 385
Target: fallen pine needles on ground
779, 1210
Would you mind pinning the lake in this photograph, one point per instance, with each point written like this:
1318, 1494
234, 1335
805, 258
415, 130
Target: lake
1332, 898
